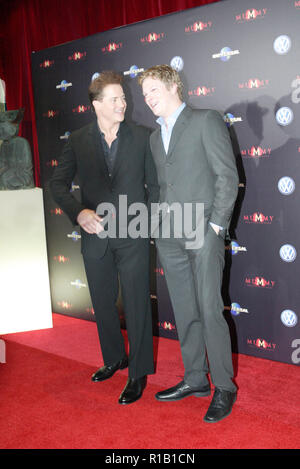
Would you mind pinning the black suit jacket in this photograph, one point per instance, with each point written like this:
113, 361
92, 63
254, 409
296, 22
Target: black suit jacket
134, 175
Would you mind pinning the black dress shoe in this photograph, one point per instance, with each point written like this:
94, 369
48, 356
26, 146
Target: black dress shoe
182, 390
107, 371
133, 390
220, 406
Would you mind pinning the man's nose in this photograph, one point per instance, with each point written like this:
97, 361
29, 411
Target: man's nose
121, 102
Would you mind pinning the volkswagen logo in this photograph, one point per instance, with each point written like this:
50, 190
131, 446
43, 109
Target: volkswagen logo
289, 318
286, 185
177, 63
284, 116
288, 253
95, 75
282, 44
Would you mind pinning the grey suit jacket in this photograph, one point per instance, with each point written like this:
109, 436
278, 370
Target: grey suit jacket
199, 166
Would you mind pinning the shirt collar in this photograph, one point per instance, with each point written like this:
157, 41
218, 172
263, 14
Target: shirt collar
102, 134
173, 117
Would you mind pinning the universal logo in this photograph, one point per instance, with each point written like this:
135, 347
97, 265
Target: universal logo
74, 236
250, 15
74, 187
65, 136
236, 309
236, 248
230, 119
133, 71
225, 54
63, 86
78, 284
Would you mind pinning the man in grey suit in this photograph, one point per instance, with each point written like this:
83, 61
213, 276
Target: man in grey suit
195, 163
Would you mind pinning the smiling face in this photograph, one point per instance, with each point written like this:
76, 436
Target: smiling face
163, 100
111, 106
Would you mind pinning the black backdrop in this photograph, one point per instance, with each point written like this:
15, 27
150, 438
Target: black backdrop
241, 58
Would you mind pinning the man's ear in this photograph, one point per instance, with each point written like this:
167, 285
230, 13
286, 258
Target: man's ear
95, 103
174, 89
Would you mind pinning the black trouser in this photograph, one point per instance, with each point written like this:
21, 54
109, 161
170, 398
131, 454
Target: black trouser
127, 259
194, 279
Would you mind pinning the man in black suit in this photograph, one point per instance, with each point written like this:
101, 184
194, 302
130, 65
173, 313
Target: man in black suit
112, 159
195, 165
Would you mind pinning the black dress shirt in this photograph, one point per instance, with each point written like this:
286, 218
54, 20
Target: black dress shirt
110, 152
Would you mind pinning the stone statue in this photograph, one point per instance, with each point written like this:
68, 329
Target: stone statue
15, 154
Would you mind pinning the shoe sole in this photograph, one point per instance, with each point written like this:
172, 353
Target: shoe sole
196, 394
131, 402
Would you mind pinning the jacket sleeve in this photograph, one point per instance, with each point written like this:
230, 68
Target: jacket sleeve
221, 160
61, 181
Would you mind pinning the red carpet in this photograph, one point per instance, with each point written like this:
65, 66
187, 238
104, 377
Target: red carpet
49, 401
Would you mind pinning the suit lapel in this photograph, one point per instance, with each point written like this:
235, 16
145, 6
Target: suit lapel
98, 154
178, 128
158, 148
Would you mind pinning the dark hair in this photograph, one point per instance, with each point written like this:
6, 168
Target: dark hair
98, 84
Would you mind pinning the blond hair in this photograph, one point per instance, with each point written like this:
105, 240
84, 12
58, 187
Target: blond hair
164, 73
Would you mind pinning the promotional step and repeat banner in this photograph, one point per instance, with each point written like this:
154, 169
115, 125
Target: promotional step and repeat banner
242, 59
